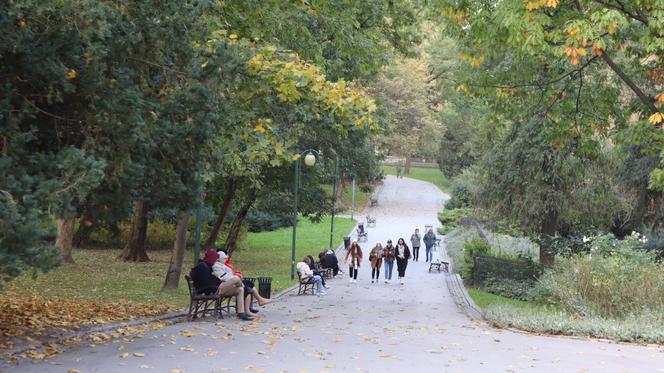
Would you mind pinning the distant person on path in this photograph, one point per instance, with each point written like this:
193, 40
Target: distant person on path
399, 171
388, 257
403, 254
353, 259
429, 242
415, 240
376, 259
328, 259
207, 283
306, 272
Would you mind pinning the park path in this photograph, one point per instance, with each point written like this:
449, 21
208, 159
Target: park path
360, 327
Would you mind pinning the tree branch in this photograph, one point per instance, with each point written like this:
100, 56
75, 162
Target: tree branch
647, 101
620, 7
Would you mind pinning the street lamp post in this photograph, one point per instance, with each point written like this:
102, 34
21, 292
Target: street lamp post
309, 160
334, 197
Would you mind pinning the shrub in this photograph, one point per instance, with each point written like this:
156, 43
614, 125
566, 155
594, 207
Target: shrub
454, 241
615, 280
463, 187
521, 290
450, 219
470, 247
645, 327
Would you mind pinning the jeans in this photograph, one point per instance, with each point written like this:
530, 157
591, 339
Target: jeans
429, 253
416, 253
389, 264
319, 283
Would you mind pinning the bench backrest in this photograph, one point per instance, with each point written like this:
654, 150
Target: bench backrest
190, 285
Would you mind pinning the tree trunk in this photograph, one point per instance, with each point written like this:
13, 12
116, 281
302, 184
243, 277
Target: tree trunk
135, 249
175, 268
548, 229
407, 167
64, 240
86, 225
231, 241
223, 211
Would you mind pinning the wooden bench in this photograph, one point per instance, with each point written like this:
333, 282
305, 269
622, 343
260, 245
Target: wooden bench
373, 202
371, 221
204, 303
438, 264
306, 285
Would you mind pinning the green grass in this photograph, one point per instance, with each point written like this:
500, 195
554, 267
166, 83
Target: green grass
269, 253
98, 274
432, 175
484, 299
345, 206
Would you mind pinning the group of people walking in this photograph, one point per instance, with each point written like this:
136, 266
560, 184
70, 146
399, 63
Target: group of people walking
384, 256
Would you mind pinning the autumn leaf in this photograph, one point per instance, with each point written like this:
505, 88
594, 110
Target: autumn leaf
139, 354
656, 118
71, 74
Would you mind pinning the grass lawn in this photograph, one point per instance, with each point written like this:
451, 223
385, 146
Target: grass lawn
484, 299
345, 207
97, 274
432, 175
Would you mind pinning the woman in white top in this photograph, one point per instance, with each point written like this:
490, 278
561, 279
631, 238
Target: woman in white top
306, 272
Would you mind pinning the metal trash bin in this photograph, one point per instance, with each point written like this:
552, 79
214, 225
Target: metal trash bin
265, 286
346, 242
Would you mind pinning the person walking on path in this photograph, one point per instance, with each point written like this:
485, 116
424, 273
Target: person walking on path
415, 240
388, 256
376, 259
403, 254
353, 259
429, 241
399, 171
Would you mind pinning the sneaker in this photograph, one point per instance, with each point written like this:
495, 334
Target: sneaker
252, 310
321, 293
372, 281
351, 280
386, 281
326, 286
243, 316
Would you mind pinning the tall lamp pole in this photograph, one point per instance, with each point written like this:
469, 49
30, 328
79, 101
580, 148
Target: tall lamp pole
309, 160
334, 197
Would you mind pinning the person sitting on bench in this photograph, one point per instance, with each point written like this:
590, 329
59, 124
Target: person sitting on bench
207, 283
306, 273
328, 259
317, 271
249, 286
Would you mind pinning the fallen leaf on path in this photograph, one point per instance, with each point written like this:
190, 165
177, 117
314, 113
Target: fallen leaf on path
139, 354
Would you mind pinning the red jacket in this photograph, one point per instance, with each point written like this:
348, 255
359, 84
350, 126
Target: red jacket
235, 271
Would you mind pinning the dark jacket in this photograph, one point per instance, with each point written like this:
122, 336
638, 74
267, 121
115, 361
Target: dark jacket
204, 281
406, 252
429, 240
329, 261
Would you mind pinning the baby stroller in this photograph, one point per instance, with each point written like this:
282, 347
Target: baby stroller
362, 234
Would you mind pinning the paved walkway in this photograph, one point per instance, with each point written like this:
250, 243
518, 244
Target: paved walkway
360, 327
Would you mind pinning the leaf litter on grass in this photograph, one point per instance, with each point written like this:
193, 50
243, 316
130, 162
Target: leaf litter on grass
31, 323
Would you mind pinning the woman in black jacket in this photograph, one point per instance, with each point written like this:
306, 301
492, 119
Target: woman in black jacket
403, 254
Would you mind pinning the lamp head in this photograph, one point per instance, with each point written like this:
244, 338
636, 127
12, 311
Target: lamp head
309, 159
